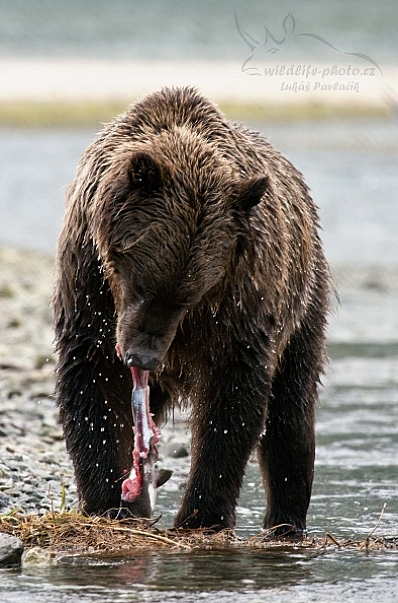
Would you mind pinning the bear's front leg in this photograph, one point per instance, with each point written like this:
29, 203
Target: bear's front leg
94, 402
225, 427
93, 387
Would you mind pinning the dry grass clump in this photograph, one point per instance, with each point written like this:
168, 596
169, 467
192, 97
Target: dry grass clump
73, 533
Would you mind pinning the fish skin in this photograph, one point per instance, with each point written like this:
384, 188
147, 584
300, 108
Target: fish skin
151, 479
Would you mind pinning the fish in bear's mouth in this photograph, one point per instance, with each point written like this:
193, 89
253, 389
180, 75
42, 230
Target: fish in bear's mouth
138, 495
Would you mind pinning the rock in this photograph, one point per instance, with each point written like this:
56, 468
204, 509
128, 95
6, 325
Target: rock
36, 556
5, 500
11, 549
175, 450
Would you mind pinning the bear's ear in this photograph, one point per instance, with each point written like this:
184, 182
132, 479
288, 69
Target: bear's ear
145, 172
251, 192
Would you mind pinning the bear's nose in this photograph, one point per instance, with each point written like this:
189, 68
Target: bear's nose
143, 360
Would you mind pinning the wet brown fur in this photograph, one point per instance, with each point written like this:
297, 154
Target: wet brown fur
190, 237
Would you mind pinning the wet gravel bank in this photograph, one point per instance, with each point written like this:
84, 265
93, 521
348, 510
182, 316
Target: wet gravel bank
33, 460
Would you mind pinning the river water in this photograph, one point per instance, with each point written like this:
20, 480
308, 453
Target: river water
187, 29
351, 168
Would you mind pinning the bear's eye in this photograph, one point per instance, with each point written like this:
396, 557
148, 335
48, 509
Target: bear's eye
138, 293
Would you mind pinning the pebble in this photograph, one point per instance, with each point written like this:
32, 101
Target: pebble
175, 450
11, 549
36, 556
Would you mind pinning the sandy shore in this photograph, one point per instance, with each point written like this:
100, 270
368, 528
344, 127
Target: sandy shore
335, 84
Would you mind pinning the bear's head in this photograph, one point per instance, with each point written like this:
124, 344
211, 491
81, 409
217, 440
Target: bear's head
169, 224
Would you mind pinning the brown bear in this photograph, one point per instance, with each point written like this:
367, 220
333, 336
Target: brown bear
192, 245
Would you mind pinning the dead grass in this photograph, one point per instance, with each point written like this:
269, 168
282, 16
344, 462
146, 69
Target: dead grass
72, 533
83, 113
